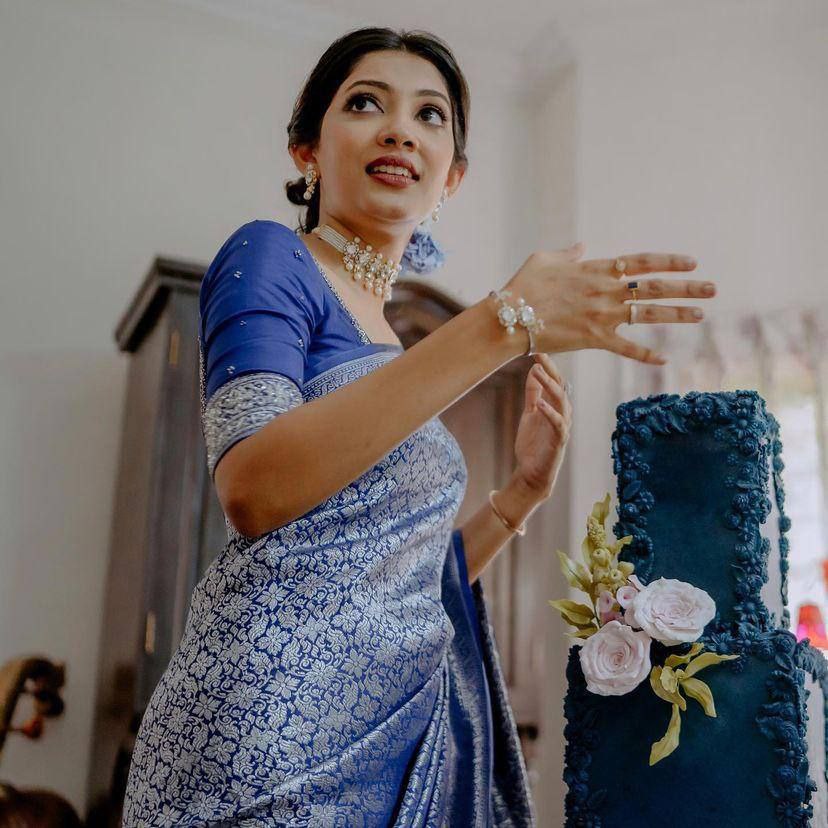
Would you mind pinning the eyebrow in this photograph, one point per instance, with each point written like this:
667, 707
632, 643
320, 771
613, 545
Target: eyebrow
387, 87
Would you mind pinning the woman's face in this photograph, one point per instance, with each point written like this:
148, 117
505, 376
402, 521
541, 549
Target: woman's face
365, 121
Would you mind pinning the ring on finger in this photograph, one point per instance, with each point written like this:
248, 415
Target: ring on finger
633, 306
633, 286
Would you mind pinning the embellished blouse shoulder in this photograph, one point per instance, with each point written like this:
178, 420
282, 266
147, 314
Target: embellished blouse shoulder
259, 306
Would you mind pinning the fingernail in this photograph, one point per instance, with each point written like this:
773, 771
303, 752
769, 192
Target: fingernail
708, 288
698, 314
689, 261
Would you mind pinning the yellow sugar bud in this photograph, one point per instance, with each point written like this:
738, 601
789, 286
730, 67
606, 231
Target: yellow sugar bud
626, 568
600, 573
616, 577
601, 556
596, 532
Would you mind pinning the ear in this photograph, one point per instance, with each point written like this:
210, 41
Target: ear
454, 178
302, 155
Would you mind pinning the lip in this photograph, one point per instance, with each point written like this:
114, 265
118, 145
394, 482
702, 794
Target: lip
394, 161
393, 180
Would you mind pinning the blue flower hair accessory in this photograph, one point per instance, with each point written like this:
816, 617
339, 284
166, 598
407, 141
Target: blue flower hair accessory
422, 253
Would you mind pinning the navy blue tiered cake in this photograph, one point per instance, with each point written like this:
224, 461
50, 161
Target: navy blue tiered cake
700, 491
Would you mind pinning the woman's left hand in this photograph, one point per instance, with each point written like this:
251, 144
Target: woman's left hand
544, 427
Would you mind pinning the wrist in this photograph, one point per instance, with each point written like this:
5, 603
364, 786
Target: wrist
494, 335
524, 493
517, 501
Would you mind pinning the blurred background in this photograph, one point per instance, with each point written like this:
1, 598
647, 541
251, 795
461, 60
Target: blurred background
138, 129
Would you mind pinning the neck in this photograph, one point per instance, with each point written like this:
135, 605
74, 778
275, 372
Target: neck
388, 239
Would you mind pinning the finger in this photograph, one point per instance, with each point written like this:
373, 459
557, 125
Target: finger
546, 361
555, 418
566, 406
558, 398
624, 347
651, 314
534, 391
637, 263
551, 385
569, 254
664, 289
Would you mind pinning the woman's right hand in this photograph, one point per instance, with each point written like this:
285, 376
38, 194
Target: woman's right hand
582, 302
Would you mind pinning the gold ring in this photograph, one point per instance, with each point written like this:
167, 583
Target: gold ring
620, 265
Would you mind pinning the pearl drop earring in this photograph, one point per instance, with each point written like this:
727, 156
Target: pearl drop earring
435, 216
311, 177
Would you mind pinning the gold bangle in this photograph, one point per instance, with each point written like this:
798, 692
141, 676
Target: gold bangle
520, 530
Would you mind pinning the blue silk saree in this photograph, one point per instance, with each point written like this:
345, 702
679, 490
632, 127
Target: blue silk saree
338, 670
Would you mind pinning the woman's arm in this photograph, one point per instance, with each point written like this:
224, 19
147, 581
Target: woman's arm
484, 534
540, 445
303, 456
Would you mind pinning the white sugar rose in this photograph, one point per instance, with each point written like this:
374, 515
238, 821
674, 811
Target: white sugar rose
615, 660
670, 611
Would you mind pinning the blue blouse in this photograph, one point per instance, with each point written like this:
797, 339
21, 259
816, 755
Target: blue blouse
339, 669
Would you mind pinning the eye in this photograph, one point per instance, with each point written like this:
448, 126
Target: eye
437, 110
364, 96
359, 96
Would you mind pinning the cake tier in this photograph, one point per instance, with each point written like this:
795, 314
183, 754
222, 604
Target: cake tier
749, 766
700, 491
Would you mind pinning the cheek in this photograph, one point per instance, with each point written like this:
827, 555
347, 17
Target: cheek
437, 163
350, 149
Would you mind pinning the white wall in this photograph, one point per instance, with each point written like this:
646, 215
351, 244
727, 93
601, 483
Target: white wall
701, 131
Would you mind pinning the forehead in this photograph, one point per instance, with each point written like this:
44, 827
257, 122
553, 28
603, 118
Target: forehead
404, 71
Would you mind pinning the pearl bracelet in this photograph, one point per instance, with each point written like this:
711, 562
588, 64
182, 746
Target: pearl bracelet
523, 315
521, 530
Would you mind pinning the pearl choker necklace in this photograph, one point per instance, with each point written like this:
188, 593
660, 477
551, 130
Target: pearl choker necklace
364, 266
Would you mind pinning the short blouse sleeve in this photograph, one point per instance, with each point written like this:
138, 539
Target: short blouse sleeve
259, 306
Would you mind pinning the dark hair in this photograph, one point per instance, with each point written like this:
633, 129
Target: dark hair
332, 69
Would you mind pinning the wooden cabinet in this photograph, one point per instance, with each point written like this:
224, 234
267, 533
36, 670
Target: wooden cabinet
168, 524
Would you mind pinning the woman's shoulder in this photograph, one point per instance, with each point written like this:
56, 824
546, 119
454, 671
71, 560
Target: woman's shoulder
267, 235
264, 249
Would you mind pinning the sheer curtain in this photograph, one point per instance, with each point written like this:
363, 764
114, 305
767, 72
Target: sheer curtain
782, 354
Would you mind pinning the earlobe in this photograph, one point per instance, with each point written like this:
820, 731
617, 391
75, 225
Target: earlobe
454, 178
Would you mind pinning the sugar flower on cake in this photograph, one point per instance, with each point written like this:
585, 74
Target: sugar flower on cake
670, 611
615, 660
623, 618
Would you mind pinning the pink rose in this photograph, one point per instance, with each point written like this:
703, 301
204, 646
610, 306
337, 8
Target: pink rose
671, 611
626, 595
615, 660
612, 615
633, 579
606, 601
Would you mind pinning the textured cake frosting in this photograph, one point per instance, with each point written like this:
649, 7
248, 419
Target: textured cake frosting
700, 490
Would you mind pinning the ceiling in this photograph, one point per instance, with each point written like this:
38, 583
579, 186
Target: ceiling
508, 45
497, 41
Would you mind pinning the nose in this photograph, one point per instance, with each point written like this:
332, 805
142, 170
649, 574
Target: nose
397, 133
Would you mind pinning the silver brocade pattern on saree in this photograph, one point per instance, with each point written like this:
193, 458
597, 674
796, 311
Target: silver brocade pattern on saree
316, 655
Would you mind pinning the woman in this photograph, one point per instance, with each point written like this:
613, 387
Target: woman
338, 667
